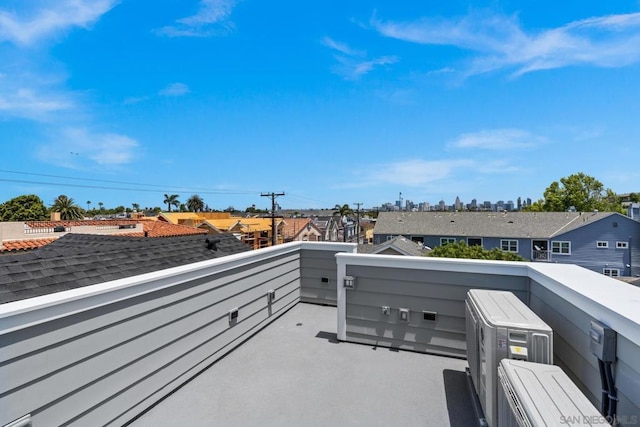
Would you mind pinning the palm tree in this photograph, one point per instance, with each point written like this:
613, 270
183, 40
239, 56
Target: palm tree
101, 206
171, 200
135, 206
66, 207
88, 205
195, 203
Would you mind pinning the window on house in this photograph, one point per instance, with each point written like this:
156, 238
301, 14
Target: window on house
622, 245
612, 272
447, 240
602, 244
562, 248
472, 241
390, 237
509, 245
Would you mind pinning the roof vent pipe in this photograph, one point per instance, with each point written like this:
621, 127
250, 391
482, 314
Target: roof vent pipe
212, 244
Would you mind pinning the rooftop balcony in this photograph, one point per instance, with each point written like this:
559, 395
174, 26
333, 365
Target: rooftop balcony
164, 348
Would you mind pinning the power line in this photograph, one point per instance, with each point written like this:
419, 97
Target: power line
99, 187
274, 230
164, 187
358, 204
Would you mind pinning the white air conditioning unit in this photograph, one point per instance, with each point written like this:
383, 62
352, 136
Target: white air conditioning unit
500, 326
533, 395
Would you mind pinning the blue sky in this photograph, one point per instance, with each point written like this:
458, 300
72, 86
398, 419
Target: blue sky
331, 102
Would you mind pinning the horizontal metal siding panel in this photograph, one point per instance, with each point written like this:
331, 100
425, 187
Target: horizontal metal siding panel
37, 337
75, 356
374, 315
161, 311
470, 280
571, 350
417, 290
433, 290
314, 266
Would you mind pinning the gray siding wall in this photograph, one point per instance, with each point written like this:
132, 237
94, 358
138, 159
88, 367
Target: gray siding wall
440, 291
571, 351
585, 253
106, 365
318, 276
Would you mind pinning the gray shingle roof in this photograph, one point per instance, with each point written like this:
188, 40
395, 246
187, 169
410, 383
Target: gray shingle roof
400, 244
541, 225
77, 260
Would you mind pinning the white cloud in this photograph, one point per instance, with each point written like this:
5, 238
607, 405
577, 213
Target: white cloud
58, 17
212, 18
410, 173
342, 47
31, 103
352, 63
500, 42
175, 89
498, 139
78, 147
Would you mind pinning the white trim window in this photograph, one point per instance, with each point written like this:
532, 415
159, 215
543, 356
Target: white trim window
622, 245
561, 247
611, 272
447, 240
508, 245
602, 244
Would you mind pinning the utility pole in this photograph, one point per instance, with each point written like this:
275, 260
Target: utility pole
358, 222
274, 230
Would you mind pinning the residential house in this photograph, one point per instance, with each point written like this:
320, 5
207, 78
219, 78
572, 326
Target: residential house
300, 229
78, 260
254, 232
329, 226
399, 245
605, 242
19, 236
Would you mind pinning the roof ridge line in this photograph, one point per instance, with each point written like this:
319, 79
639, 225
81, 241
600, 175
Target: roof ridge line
566, 225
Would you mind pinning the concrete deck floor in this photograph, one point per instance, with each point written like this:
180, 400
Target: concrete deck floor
295, 372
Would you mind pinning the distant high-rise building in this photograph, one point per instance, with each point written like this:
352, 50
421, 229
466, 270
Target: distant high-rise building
519, 203
442, 206
458, 204
509, 206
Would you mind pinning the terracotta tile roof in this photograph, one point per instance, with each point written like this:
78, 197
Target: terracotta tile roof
19, 245
166, 229
77, 223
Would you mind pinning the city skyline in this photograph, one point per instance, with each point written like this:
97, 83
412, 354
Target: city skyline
330, 102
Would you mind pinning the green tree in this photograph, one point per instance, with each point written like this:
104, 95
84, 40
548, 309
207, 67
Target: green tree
67, 208
135, 206
101, 206
462, 250
24, 208
343, 210
171, 200
195, 203
580, 191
